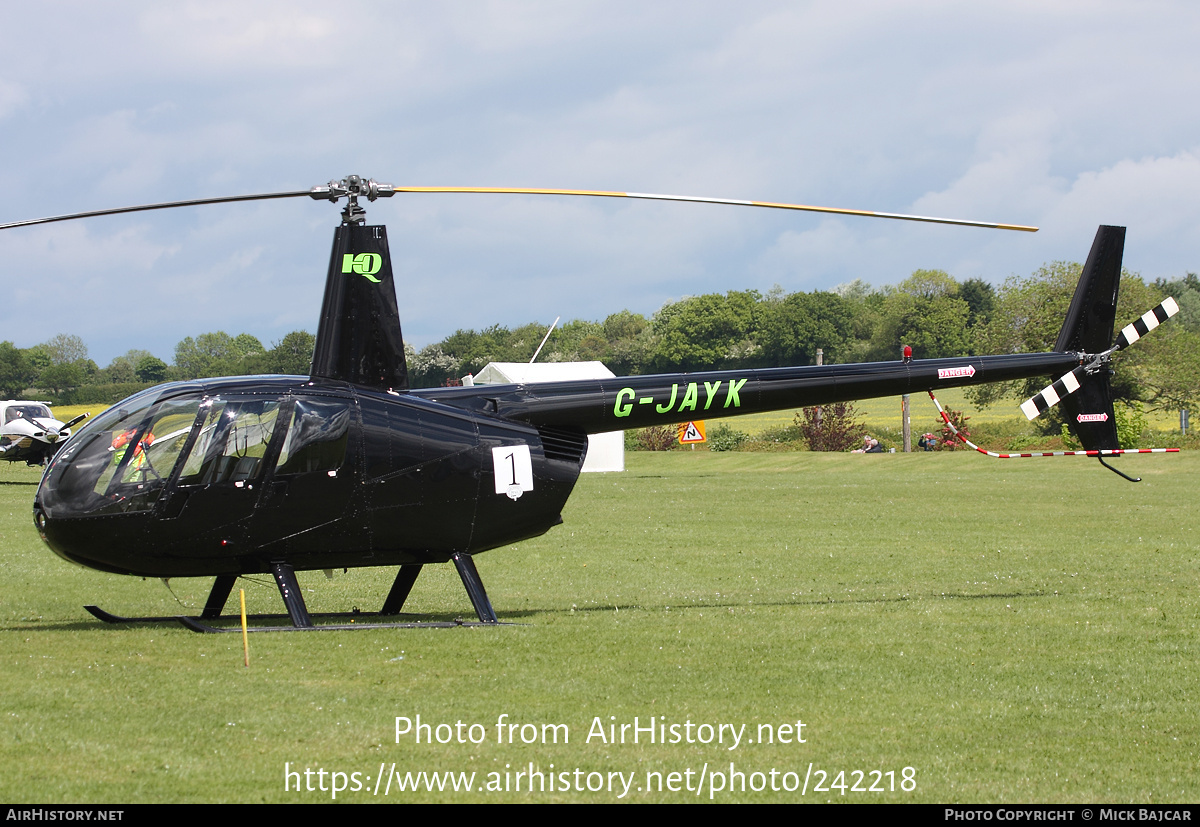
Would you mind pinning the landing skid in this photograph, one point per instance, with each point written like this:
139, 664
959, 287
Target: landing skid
197, 626
194, 620
301, 619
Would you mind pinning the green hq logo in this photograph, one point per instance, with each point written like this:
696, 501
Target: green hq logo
364, 264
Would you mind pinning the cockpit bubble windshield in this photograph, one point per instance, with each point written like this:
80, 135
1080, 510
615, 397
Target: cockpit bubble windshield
121, 461
26, 412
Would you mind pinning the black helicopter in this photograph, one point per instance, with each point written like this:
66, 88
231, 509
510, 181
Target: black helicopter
349, 467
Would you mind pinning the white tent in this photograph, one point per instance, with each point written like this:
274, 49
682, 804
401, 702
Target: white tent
606, 452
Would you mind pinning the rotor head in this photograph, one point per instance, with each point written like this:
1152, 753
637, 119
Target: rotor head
352, 187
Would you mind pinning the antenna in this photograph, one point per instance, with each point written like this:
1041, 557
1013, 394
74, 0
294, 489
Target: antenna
544, 338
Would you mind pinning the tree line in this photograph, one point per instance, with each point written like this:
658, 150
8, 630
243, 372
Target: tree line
60, 367
930, 311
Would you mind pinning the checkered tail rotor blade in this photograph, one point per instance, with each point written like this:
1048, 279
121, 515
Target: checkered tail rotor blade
1132, 332
1068, 383
1050, 395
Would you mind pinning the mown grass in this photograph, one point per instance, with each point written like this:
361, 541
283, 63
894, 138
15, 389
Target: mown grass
1013, 630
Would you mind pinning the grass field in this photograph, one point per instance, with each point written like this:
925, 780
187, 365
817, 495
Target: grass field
1014, 631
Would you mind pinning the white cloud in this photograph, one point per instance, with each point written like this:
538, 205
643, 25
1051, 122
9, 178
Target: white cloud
1156, 194
12, 96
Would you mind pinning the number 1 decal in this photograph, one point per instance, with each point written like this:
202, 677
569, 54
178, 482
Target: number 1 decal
513, 470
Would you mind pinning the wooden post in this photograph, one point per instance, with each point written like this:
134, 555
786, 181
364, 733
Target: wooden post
820, 361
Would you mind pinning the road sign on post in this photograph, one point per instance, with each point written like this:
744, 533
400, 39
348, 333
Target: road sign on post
691, 432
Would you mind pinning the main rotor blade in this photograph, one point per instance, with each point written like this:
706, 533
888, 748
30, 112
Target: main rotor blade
385, 191
164, 206
731, 201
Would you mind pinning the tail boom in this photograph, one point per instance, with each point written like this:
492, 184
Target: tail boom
598, 406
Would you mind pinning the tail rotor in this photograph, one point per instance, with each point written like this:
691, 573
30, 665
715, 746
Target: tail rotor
1085, 393
1097, 365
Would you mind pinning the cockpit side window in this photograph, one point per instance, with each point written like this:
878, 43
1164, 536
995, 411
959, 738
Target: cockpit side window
125, 458
317, 438
232, 443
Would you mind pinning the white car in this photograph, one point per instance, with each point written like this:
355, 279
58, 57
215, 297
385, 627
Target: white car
28, 431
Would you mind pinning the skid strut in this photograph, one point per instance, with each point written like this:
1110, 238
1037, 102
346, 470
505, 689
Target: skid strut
222, 586
285, 578
400, 589
470, 578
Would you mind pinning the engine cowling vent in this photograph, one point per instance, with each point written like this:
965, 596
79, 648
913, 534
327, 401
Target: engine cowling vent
563, 445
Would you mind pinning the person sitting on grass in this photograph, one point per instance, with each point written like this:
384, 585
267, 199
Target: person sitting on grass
870, 446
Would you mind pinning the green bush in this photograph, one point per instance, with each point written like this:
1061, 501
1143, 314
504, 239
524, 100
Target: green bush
101, 394
997, 432
654, 438
1131, 424
830, 427
781, 433
722, 437
1036, 442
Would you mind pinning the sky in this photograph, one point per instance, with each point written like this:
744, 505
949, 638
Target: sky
1065, 116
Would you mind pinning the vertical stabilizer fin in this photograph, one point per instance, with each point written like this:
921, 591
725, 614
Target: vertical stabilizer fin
1093, 312
1088, 328
359, 337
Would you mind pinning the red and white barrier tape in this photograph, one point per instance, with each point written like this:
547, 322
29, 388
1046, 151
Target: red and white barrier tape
1112, 453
